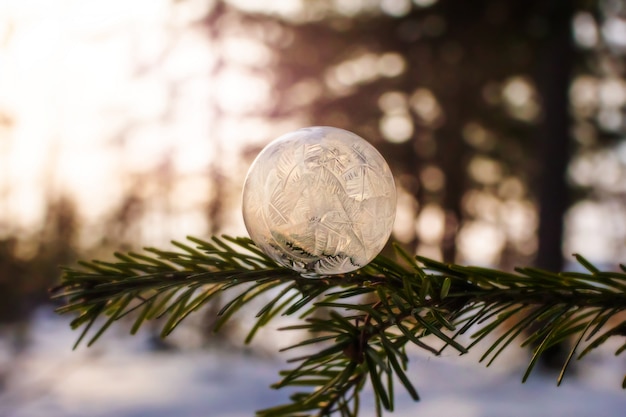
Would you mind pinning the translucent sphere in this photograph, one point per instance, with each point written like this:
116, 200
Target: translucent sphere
320, 201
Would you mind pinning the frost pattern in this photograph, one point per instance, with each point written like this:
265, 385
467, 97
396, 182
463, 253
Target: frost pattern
320, 200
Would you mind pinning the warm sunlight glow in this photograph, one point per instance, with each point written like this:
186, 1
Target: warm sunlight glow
480, 242
104, 96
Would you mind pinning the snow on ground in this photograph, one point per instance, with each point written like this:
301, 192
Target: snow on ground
119, 377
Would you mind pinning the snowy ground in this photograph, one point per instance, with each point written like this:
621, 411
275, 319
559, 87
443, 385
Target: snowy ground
119, 377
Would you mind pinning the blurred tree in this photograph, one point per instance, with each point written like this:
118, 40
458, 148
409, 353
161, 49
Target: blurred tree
455, 89
431, 81
29, 266
554, 71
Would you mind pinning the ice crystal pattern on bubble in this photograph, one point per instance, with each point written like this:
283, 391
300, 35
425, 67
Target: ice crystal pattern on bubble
320, 200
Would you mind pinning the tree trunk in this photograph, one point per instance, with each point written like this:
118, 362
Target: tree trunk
553, 80
554, 69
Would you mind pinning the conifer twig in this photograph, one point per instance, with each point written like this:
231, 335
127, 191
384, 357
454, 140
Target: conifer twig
360, 322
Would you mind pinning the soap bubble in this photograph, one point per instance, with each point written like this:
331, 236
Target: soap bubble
320, 200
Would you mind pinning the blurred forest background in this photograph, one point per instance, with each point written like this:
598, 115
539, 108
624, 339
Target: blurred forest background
130, 123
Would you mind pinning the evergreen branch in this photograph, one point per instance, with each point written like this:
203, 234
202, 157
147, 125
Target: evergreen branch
359, 323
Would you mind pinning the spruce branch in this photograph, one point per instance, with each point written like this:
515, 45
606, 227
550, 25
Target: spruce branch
359, 323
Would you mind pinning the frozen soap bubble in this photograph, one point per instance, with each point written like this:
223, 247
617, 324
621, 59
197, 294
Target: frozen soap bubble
320, 201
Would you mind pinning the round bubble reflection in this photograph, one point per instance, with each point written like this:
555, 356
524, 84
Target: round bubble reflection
320, 200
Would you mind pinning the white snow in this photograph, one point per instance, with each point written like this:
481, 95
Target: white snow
119, 377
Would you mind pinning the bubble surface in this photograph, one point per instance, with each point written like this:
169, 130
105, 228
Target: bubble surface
320, 200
